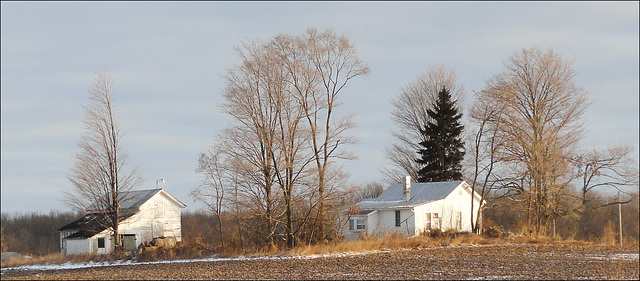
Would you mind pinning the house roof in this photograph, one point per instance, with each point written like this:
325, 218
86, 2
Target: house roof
421, 193
95, 222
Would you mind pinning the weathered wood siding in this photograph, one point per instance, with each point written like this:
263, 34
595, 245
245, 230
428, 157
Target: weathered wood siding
158, 217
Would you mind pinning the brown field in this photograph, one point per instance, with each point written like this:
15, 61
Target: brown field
512, 261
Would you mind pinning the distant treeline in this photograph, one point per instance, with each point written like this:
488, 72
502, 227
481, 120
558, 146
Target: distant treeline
33, 233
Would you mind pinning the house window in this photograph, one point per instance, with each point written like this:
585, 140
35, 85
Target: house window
459, 220
356, 224
432, 221
398, 221
101, 243
435, 221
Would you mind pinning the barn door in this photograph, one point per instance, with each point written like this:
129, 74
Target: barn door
129, 242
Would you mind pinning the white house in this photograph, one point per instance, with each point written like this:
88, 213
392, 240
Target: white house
415, 208
144, 215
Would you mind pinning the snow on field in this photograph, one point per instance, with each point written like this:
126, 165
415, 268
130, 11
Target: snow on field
616, 257
70, 265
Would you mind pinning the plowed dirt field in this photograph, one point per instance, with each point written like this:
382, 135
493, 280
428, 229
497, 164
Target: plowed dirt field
490, 262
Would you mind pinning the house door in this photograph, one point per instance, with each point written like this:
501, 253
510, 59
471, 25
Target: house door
129, 242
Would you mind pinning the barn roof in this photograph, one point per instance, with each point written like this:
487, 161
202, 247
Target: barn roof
135, 198
421, 193
90, 225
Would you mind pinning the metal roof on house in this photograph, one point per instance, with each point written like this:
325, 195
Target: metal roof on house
421, 193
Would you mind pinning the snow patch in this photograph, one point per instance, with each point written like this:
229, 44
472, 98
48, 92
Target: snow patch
70, 265
616, 257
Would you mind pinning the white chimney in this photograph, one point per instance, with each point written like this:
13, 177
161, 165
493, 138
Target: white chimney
407, 189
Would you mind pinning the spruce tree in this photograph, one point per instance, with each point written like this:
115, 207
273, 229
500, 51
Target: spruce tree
442, 149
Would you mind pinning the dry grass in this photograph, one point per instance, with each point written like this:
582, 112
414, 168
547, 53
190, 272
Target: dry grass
610, 235
390, 242
180, 251
56, 258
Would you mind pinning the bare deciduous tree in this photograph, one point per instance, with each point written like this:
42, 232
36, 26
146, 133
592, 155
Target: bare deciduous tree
320, 65
283, 97
484, 150
215, 180
249, 99
610, 169
540, 123
99, 178
410, 116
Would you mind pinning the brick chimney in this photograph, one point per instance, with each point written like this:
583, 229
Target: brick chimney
407, 189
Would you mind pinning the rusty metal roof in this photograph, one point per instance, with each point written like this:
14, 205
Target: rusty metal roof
90, 225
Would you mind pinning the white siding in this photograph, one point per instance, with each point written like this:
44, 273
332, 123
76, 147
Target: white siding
454, 211
106, 235
372, 222
77, 246
385, 222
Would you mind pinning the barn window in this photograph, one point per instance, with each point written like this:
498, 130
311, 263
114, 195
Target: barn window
398, 221
101, 243
427, 217
159, 209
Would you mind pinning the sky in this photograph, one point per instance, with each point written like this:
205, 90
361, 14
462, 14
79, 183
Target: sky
167, 60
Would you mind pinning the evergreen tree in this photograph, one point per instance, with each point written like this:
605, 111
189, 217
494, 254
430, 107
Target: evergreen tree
442, 149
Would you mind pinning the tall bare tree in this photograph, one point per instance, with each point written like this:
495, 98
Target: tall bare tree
320, 65
99, 176
249, 99
540, 123
483, 150
215, 180
410, 115
283, 97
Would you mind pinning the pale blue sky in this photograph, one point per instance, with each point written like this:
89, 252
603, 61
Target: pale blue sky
166, 59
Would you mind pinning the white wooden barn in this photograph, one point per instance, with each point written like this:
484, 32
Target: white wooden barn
144, 215
414, 208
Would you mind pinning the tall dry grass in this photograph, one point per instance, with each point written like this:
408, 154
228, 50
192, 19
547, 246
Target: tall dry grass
390, 241
610, 235
56, 258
